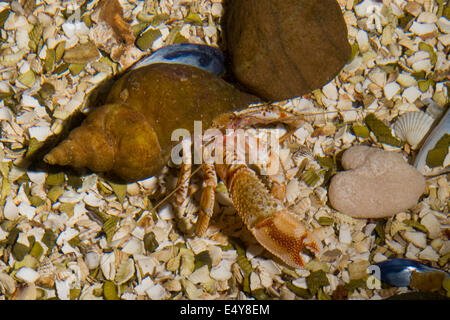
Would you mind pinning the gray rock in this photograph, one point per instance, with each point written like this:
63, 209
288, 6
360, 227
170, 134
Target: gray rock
376, 184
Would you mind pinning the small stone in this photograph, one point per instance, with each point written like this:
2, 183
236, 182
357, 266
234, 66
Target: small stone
376, 184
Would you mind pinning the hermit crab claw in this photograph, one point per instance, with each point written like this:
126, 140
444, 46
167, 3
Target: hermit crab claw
285, 236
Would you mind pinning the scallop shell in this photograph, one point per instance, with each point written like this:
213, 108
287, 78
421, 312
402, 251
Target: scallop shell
412, 127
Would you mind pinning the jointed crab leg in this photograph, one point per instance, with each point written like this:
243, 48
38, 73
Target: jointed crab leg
181, 195
207, 199
257, 115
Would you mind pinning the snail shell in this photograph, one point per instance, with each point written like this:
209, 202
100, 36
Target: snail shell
130, 135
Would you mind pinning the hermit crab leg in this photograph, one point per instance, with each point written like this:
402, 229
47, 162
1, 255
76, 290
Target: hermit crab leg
260, 114
207, 199
184, 179
182, 187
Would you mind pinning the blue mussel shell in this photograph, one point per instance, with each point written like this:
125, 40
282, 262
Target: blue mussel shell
397, 272
197, 55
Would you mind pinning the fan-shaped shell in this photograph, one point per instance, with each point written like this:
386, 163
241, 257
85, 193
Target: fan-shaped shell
412, 127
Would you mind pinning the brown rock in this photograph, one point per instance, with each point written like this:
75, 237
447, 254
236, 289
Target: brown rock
376, 184
284, 49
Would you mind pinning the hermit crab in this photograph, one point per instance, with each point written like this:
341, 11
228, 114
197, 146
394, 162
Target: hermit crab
131, 136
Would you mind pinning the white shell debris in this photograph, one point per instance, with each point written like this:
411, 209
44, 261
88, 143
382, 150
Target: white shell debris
92, 260
419, 239
344, 234
156, 292
400, 68
124, 271
437, 132
391, 89
27, 274
222, 271
432, 224
429, 254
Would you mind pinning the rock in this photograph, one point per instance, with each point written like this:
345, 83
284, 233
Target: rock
284, 49
376, 184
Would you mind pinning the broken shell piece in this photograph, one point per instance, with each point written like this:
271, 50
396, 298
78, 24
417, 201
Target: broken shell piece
201, 275
419, 239
222, 271
412, 127
432, 224
429, 254
27, 274
201, 56
125, 271
26, 291
156, 292
7, 284
424, 30
438, 132
397, 272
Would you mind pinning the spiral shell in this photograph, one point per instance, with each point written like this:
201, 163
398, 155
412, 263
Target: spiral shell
412, 127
